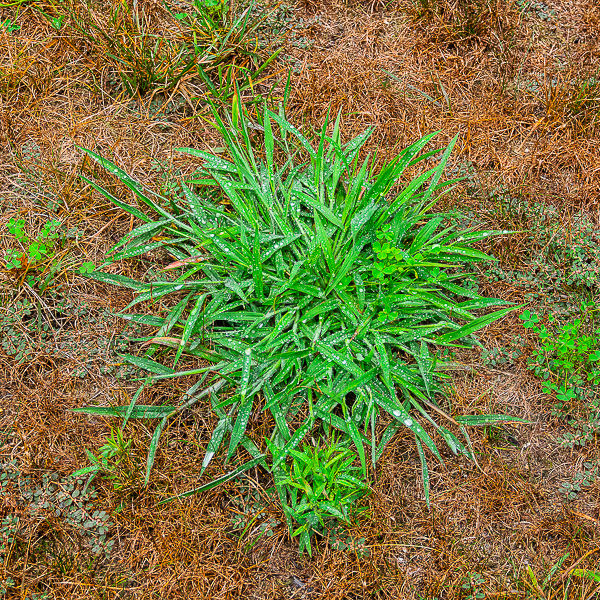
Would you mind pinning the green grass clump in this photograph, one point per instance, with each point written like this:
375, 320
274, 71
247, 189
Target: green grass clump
323, 485
317, 288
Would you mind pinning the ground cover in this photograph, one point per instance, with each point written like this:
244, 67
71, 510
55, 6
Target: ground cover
516, 82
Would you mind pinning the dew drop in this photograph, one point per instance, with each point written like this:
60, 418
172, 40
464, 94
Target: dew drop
408, 422
397, 413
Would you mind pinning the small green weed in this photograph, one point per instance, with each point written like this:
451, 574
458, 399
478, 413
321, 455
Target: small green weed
196, 9
539, 9
33, 252
38, 259
543, 587
114, 462
562, 263
504, 355
8, 529
169, 180
214, 47
67, 524
572, 99
587, 574
66, 498
235, 48
472, 584
9, 25
62, 329
500, 437
321, 485
589, 476
251, 520
568, 362
55, 21
340, 539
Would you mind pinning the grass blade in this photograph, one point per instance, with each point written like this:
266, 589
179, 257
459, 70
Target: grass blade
136, 412
475, 325
218, 481
147, 364
482, 420
424, 469
190, 325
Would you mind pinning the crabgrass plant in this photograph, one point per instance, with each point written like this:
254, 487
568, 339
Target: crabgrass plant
318, 290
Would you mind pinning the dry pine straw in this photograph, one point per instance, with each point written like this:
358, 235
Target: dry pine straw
494, 517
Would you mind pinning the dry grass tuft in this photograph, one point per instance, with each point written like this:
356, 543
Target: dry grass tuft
456, 23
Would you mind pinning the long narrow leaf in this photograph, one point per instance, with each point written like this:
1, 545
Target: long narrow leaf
218, 481
475, 325
136, 412
424, 469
